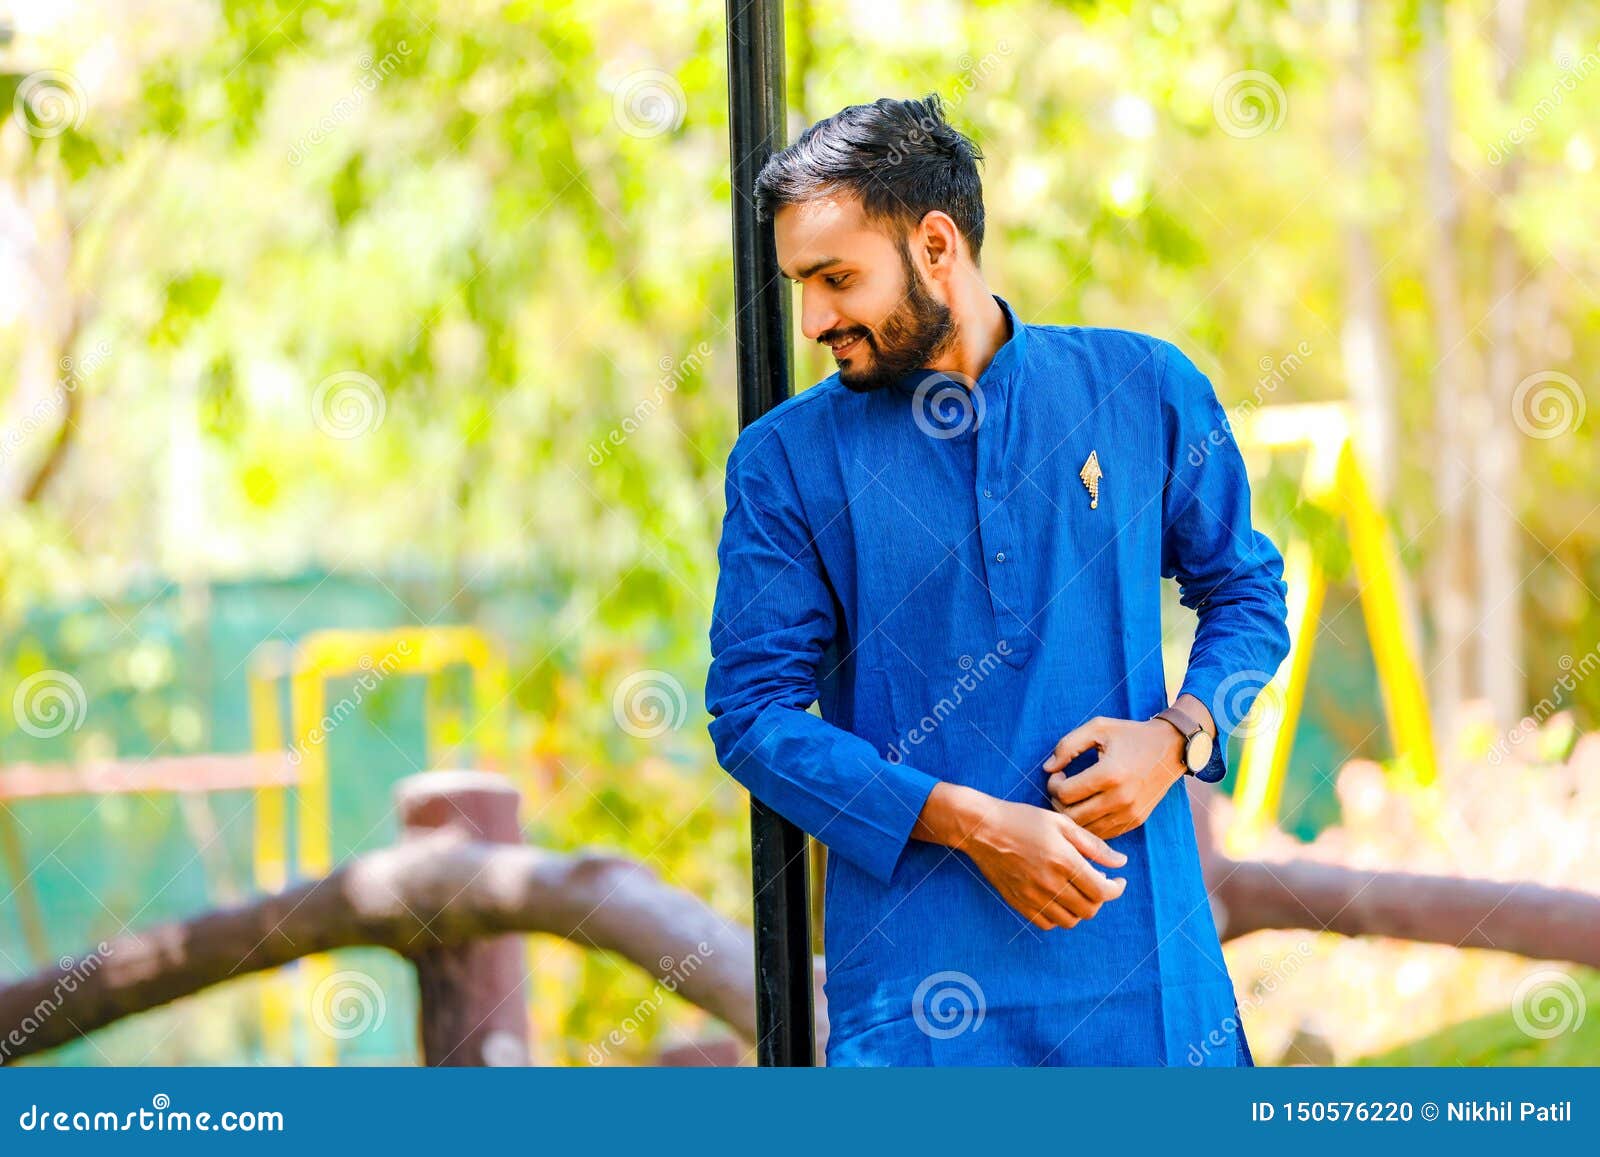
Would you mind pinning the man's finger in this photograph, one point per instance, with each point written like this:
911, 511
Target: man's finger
1056, 911
1079, 895
1089, 811
1061, 916
1110, 826
1089, 882
1047, 915
1064, 788
1093, 847
1075, 742
1109, 888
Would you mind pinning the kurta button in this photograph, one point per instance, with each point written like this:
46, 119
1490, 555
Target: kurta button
1000, 556
988, 493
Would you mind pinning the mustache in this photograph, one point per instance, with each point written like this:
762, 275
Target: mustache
841, 335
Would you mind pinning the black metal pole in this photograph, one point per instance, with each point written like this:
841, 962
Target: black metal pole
780, 868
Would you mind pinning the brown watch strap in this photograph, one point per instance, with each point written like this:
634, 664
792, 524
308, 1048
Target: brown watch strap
1179, 719
1185, 726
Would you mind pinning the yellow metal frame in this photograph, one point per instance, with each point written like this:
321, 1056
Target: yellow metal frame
269, 663
308, 666
1336, 480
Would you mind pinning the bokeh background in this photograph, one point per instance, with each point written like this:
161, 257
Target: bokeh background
418, 313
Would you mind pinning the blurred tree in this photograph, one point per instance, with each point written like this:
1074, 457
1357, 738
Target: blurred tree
364, 285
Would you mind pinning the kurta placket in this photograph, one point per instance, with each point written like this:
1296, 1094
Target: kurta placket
997, 526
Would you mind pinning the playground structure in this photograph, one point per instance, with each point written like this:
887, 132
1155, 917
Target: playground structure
306, 667
288, 778
268, 771
1336, 480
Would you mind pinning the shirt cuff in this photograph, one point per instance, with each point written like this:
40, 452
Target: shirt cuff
1203, 686
880, 854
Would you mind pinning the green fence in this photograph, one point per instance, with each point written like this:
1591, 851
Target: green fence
162, 670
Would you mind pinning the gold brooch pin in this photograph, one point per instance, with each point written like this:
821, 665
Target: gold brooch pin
1091, 476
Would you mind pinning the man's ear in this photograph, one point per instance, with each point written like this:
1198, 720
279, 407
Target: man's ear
940, 242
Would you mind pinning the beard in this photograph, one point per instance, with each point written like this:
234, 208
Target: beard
915, 333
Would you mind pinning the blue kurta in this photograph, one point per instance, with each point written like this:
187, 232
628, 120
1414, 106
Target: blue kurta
924, 564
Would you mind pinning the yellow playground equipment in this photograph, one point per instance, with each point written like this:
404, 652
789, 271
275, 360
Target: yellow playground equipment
1336, 480
308, 665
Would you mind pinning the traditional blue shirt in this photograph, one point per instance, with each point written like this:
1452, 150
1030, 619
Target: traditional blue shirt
927, 566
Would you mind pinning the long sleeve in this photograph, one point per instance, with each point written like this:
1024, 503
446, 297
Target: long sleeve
773, 619
1229, 573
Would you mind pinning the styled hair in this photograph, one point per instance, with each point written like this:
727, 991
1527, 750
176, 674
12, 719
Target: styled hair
901, 157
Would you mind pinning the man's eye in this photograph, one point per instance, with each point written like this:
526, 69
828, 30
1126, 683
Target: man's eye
837, 281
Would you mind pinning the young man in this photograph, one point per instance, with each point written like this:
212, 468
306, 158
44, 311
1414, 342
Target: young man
954, 546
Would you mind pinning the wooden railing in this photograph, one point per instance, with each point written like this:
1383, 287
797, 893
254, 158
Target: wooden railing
455, 892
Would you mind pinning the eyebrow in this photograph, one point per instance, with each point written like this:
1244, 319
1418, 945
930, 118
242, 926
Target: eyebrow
815, 267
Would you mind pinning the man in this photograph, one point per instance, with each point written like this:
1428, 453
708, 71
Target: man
954, 547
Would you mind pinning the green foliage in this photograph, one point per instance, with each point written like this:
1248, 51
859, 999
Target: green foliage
454, 202
1498, 1039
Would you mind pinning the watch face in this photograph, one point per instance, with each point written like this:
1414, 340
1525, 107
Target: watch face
1198, 752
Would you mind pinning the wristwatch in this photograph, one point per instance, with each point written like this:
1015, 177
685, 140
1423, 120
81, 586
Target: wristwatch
1197, 742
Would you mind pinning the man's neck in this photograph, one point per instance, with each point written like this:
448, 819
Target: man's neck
982, 327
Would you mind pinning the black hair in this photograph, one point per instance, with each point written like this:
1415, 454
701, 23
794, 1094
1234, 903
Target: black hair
901, 157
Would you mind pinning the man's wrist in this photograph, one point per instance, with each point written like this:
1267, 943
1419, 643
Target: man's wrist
1196, 710
951, 814
1177, 745
1190, 723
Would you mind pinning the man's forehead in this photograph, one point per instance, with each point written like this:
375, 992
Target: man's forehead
819, 228
830, 210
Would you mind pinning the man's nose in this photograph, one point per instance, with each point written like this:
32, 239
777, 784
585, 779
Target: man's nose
817, 317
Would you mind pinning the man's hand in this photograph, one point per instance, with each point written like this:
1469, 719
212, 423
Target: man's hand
1037, 860
1139, 762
